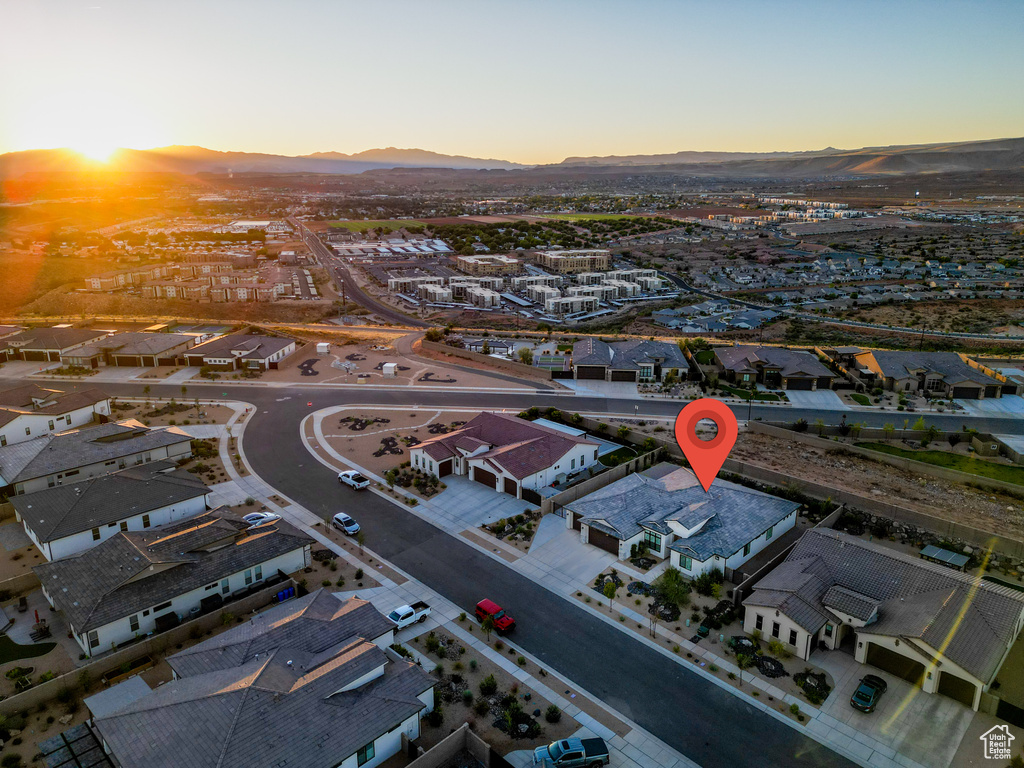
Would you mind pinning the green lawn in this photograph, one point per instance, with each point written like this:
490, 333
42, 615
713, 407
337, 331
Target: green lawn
389, 224
12, 651
705, 356
618, 456
969, 464
593, 216
860, 399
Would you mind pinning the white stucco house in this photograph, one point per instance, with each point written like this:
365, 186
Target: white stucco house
311, 682
138, 583
506, 453
945, 631
68, 519
239, 351
668, 510
29, 411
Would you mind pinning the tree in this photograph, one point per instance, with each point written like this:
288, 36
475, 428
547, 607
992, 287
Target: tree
526, 356
919, 424
360, 540
487, 625
623, 431
819, 424
743, 661
184, 391
486, 348
954, 439
433, 334
610, 590
888, 429
146, 390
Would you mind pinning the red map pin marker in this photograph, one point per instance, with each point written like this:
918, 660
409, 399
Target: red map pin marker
706, 456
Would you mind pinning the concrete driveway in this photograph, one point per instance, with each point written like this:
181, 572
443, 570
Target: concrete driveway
467, 504
924, 727
1007, 404
823, 398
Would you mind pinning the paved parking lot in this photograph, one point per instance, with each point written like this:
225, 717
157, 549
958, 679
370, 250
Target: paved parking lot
924, 727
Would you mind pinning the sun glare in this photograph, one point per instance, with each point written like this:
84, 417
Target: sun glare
95, 150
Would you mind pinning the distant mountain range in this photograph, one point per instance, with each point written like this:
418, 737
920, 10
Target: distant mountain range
967, 156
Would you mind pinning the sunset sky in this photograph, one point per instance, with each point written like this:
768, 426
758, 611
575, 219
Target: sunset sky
527, 81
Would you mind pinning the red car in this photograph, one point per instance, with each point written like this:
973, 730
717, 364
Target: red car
502, 621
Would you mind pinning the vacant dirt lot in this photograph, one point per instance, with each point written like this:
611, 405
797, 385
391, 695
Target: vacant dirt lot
990, 511
975, 316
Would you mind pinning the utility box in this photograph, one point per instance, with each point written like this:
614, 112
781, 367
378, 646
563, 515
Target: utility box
390, 370
323, 348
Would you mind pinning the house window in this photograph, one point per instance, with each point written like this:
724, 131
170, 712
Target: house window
95, 534
758, 622
259, 573
769, 532
686, 563
133, 622
248, 577
775, 629
365, 754
573, 466
28, 430
51, 424
792, 637
828, 630
3, 440
94, 639
225, 586
124, 525
595, 454
746, 549
162, 606
145, 521
652, 540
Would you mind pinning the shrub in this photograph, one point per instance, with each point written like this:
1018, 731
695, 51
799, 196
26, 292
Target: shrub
325, 583
553, 714
794, 709
359, 574
250, 501
467, 697
488, 686
472, 664
521, 661
482, 707
435, 717
462, 616
432, 643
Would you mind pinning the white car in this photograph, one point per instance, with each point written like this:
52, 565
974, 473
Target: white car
354, 479
259, 518
345, 523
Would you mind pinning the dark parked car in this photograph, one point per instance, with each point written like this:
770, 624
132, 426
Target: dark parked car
870, 690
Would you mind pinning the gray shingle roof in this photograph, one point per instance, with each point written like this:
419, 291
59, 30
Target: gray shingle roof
17, 401
53, 339
106, 583
265, 711
61, 451
849, 602
69, 509
251, 347
627, 355
735, 515
140, 343
972, 621
790, 362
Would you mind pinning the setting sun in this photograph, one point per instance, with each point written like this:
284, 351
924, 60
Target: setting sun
94, 150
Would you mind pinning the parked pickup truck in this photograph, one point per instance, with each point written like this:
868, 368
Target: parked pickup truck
573, 753
404, 615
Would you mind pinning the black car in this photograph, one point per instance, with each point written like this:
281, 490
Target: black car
870, 690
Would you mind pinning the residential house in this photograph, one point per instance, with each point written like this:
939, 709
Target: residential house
68, 519
310, 683
241, 351
28, 411
133, 349
774, 367
637, 360
506, 453
54, 459
141, 582
668, 510
46, 344
941, 629
944, 374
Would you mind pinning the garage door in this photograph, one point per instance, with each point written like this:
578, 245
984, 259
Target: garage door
590, 372
444, 468
800, 384
895, 663
603, 541
484, 477
623, 375
511, 487
29, 355
957, 688
966, 393
577, 521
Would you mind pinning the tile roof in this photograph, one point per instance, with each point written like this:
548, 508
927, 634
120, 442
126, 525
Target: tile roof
301, 699
952, 368
106, 583
141, 343
790, 362
628, 355
971, 621
69, 509
252, 347
52, 338
30, 398
674, 503
516, 445
57, 452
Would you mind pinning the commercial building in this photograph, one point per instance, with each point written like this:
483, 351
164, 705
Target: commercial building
572, 261
570, 305
483, 297
489, 265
